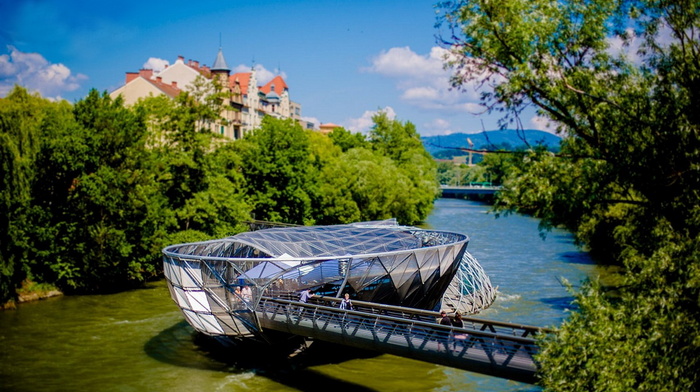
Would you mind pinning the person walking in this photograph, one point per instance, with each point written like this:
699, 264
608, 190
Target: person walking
444, 336
346, 303
305, 295
458, 337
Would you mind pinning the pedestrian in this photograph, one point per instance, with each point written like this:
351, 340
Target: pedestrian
247, 293
346, 303
444, 336
457, 322
305, 295
459, 337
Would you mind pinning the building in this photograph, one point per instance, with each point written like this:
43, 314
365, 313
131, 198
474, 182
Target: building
246, 102
327, 128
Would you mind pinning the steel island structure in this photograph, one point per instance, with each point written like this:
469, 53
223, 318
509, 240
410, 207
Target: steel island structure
219, 284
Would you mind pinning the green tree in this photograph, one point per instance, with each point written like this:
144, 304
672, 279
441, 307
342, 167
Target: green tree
629, 171
93, 224
346, 140
276, 162
197, 170
23, 120
365, 186
401, 143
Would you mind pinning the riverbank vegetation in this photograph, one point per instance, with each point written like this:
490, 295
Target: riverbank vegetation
620, 81
92, 191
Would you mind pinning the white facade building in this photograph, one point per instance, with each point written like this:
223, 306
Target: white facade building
247, 102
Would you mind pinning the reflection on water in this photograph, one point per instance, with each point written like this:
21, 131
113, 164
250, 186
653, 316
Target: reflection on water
138, 341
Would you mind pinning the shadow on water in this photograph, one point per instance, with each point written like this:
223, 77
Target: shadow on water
575, 257
560, 303
284, 363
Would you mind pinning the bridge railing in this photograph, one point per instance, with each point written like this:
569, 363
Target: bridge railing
471, 323
482, 346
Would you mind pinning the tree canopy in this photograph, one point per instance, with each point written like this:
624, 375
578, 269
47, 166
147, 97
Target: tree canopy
620, 79
91, 192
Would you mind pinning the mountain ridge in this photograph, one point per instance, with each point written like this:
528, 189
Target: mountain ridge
490, 140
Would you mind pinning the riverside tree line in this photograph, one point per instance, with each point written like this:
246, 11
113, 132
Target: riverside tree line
92, 191
621, 81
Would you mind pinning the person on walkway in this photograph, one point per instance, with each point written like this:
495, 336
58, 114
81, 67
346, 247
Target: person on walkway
457, 322
247, 293
458, 337
305, 295
444, 340
237, 297
346, 303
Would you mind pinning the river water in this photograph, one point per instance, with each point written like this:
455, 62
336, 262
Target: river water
138, 341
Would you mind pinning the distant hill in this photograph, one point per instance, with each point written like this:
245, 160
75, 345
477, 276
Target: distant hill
443, 146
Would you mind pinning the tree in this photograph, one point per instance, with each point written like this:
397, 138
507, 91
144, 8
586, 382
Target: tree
276, 163
94, 227
23, 120
346, 140
198, 172
627, 177
401, 143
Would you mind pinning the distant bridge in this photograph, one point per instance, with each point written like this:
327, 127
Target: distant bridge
490, 347
475, 188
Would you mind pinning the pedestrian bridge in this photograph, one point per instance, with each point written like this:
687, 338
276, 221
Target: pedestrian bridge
471, 189
489, 347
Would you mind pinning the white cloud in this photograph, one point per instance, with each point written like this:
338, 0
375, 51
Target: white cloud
423, 81
364, 123
262, 74
156, 64
313, 120
33, 72
403, 62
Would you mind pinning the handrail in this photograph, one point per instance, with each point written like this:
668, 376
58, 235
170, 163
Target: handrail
427, 314
413, 322
475, 349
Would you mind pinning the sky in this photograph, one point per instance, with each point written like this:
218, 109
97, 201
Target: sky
343, 60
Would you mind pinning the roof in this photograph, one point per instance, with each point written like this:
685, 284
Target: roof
329, 241
167, 89
311, 242
243, 79
220, 62
278, 82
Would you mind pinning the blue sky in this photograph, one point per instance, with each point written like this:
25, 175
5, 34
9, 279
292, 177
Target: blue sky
342, 60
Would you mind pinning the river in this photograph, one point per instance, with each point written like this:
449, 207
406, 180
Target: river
138, 341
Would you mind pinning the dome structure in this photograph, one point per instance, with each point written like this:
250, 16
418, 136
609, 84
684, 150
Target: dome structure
218, 284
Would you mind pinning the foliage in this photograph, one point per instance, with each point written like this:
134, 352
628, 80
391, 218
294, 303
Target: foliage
401, 142
276, 163
346, 140
91, 198
22, 117
628, 175
92, 192
197, 171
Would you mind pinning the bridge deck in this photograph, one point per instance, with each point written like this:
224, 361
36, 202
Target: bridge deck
499, 349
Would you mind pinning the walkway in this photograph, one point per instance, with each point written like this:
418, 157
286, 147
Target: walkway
477, 189
495, 348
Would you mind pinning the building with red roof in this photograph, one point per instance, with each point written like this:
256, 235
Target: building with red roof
248, 101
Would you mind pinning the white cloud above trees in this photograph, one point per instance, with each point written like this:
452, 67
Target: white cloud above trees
423, 81
33, 72
364, 123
